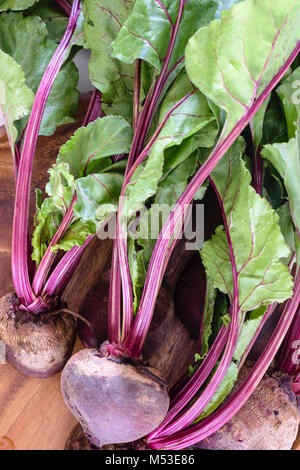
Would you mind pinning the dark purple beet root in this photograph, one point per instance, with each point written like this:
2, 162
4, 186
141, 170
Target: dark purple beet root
114, 400
189, 297
78, 441
36, 345
269, 420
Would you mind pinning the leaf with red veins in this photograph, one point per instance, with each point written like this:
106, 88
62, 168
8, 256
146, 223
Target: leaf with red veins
254, 234
233, 59
155, 26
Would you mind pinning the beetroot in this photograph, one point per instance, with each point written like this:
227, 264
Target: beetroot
36, 345
116, 400
269, 420
78, 441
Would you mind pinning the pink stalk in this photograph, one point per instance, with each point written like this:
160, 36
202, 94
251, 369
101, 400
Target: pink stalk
94, 110
192, 386
187, 417
137, 91
155, 271
68, 263
114, 305
141, 125
62, 273
65, 6
121, 236
147, 113
227, 410
21, 213
161, 80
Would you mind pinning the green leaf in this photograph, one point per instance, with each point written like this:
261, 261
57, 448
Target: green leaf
138, 260
51, 211
87, 151
114, 79
46, 223
147, 31
257, 123
16, 4
26, 41
288, 231
289, 95
274, 126
273, 188
257, 242
285, 158
97, 196
15, 97
76, 235
53, 17
249, 328
210, 299
233, 59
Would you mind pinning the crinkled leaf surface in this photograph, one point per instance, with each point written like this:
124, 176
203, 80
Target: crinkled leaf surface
103, 21
76, 235
233, 59
257, 242
87, 151
26, 41
15, 97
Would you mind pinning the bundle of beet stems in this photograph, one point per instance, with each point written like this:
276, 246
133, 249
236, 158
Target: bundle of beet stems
206, 90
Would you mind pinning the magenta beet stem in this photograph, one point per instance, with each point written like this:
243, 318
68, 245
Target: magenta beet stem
227, 410
20, 273
65, 6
